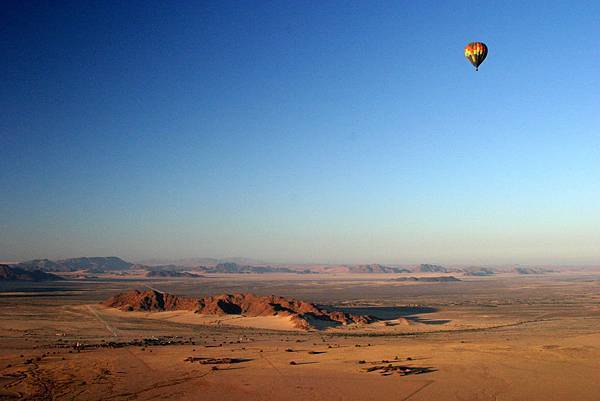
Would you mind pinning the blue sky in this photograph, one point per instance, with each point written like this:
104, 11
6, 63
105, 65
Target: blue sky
301, 131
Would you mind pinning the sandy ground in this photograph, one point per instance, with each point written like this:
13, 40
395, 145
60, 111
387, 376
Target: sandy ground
498, 339
188, 317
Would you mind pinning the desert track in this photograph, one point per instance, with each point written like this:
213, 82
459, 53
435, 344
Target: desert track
111, 329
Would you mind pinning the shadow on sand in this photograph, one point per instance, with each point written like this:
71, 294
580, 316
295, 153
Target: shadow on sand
387, 313
216, 361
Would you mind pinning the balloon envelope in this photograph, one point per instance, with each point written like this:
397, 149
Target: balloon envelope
476, 52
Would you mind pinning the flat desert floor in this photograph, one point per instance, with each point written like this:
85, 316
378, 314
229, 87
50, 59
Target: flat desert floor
504, 337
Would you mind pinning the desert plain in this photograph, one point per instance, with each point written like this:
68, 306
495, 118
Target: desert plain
499, 337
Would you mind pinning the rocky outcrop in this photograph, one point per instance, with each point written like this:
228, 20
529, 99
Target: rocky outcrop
150, 301
305, 315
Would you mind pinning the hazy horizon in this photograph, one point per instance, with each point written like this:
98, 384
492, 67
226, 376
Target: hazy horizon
338, 133
265, 261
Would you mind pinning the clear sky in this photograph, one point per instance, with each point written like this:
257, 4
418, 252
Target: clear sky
301, 131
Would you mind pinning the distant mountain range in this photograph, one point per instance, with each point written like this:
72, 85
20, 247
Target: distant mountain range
92, 264
8, 273
193, 262
244, 266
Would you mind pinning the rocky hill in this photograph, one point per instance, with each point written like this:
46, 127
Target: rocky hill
304, 315
376, 268
171, 273
8, 273
427, 268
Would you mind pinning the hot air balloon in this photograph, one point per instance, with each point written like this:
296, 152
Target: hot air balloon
476, 52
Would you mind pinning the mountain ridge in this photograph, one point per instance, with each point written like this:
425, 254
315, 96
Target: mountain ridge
95, 263
9, 273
